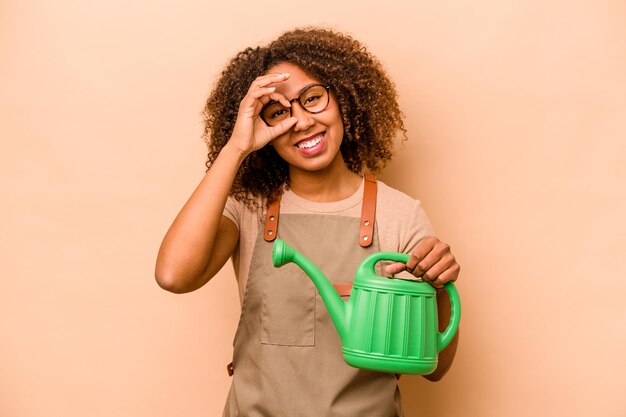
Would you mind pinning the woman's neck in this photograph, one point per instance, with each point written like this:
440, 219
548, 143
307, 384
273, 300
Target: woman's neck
325, 185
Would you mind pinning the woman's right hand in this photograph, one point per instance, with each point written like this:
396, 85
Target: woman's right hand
250, 132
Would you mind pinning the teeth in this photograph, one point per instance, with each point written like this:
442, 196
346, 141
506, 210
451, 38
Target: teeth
310, 143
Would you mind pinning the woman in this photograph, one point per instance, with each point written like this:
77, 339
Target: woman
291, 129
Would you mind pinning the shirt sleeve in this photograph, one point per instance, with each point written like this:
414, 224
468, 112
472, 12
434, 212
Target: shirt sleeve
401, 219
418, 227
233, 211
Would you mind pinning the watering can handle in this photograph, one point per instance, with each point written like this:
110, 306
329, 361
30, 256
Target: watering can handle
444, 338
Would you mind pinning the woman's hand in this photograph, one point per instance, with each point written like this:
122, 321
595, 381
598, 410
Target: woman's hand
250, 132
432, 261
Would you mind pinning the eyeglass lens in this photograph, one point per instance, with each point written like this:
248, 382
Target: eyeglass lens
314, 99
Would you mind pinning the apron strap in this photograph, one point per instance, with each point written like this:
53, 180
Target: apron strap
270, 230
368, 211
343, 288
368, 214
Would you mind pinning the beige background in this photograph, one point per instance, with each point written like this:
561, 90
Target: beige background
515, 112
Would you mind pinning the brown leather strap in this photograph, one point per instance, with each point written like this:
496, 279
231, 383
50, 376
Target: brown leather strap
270, 230
366, 233
368, 211
343, 288
368, 214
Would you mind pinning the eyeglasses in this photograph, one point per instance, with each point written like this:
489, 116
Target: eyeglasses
314, 99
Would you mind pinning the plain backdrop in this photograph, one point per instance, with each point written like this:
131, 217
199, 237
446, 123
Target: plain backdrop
515, 113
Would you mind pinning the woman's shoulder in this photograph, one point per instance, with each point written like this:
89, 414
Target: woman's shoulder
390, 197
244, 213
401, 220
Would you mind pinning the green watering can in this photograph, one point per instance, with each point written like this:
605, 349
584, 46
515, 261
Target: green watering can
388, 325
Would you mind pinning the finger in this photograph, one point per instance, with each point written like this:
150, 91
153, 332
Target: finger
412, 264
265, 80
283, 100
435, 255
422, 249
389, 270
253, 101
275, 97
450, 274
446, 261
261, 91
262, 94
266, 94
281, 127
260, 87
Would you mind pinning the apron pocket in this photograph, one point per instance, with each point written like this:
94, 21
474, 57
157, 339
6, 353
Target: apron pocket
288, 307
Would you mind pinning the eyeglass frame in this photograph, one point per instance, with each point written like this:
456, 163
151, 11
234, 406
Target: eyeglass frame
305, 89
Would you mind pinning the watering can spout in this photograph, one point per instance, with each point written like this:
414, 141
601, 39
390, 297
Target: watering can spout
282, 254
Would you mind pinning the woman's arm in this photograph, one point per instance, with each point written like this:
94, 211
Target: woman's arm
201, 239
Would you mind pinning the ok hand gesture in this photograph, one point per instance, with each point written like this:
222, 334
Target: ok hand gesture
250, 132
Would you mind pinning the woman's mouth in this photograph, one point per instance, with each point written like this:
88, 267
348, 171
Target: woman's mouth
312, 145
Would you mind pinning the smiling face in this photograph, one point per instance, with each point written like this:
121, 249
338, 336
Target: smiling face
313, 143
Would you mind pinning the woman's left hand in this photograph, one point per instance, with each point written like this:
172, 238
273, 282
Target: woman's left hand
432, 261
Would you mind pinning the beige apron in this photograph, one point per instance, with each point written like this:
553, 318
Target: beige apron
287, 354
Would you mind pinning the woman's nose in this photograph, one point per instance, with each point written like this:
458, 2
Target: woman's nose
305, 119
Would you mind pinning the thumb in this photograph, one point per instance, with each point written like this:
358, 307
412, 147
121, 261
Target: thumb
283, 126
392, 269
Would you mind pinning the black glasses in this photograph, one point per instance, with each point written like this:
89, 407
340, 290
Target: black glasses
314, 99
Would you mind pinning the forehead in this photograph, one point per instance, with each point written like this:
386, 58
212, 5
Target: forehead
298, 79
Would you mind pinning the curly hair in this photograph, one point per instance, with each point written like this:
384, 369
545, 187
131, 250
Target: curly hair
366, 97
